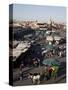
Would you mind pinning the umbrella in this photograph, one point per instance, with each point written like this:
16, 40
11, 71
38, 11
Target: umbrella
49, 47
51, 62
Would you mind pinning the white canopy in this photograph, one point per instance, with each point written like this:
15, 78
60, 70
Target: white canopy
49, 38
57, 38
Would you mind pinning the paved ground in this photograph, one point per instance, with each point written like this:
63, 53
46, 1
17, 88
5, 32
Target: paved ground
60, 79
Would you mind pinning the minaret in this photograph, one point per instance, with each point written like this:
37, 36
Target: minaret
50, 26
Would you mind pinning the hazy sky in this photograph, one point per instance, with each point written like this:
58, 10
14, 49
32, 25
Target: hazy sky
40, 13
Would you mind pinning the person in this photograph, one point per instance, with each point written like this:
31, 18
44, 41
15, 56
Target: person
35, 62
30, 76
54, 72
38, 62
21, 75
21, 71
44, 75
36, 78
50, 70
60, 53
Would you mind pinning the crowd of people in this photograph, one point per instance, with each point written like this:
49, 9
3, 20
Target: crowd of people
48, 72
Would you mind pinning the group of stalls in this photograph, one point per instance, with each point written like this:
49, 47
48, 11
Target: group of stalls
34, 51
37, 51
26, 54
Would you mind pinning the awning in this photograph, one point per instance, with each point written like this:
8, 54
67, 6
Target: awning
51, 62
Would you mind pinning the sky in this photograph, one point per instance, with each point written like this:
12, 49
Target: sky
23, 12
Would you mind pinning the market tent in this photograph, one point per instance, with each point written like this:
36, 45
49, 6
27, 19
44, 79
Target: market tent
57, 38
49, 47
51, 62
49, 38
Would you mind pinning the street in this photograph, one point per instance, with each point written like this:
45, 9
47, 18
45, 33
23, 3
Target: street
60, 79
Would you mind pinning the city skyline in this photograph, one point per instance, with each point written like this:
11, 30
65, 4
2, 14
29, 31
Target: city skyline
38, 12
